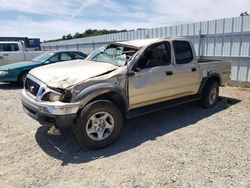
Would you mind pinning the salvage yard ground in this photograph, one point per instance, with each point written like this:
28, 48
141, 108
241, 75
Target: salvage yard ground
185, 146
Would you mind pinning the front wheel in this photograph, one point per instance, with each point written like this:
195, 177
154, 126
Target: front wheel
210, 94
22, 78
98, 125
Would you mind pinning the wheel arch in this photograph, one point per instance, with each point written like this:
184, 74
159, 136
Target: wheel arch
212, 76
105, 91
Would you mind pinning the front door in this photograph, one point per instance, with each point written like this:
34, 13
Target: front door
153, 76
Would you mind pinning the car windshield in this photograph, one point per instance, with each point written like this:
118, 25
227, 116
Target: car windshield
113, 54
43, 57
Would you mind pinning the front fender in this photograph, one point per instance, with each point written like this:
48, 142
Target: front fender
93, 91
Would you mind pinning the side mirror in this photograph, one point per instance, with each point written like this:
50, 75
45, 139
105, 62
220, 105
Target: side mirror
132, 73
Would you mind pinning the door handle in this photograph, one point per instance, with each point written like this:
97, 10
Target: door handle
169, 73
193, 69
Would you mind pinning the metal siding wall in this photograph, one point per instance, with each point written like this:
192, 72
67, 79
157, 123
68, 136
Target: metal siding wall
235, 46
179, 30
234, 69
168, 31
218, 46
184, 30
204, 28
220, 26
228, 25
227, 46
229, 37
191, 30
197, 28
243, 71
246, 23
245, 50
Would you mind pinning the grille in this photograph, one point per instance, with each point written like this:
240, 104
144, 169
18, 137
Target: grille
31, 86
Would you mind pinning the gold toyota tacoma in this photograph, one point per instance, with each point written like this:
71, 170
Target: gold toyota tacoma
119, 81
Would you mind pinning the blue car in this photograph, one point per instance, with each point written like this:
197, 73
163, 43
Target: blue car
17, 72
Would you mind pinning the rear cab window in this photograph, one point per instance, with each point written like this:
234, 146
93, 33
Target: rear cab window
9, 47
183, 52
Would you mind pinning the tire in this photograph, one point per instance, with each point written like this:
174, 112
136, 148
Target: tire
93, 128
22, 77
210, 94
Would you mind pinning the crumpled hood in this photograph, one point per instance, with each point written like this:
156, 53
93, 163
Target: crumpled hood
65, 74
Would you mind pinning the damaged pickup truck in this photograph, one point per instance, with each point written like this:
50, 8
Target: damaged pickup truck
119, 81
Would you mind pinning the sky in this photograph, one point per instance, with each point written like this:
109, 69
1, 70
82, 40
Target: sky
50, 19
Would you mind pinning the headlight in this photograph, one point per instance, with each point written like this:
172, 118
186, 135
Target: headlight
54, 97
3, 73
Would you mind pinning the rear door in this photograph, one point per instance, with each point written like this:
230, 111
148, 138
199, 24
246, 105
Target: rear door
186, 69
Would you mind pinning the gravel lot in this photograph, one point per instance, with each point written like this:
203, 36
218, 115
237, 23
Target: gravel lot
185, 146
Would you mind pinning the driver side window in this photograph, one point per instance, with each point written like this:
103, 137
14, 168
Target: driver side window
156, 55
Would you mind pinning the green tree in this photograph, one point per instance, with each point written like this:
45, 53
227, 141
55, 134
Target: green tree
88, 33
69, 36
244, 13
77, 35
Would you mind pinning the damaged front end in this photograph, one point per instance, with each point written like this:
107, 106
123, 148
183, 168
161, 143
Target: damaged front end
46, 105
57, 106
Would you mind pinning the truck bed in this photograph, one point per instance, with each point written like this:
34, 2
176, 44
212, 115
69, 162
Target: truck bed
221, 67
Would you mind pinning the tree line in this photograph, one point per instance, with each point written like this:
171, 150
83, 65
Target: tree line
96, 32
87, 33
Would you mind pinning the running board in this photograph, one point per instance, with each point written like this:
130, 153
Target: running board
160, 106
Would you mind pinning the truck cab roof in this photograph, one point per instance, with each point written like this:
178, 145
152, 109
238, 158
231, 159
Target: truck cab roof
145, 42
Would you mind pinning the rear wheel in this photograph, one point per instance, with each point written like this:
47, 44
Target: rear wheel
210, 94
98, 125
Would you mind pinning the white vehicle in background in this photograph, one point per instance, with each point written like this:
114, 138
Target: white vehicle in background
14, 51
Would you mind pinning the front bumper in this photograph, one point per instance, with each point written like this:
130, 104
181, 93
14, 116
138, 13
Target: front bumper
49, 113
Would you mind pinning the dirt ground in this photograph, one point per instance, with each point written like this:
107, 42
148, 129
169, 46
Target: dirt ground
185, 146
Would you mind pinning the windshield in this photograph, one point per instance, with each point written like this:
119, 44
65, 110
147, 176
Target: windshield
43, 57
113, 53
